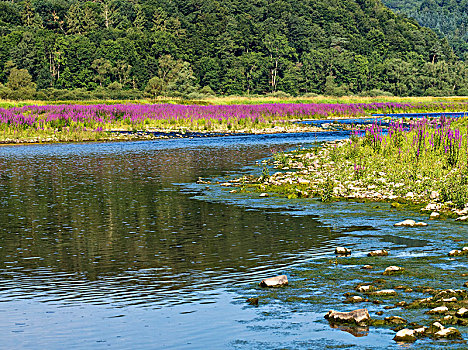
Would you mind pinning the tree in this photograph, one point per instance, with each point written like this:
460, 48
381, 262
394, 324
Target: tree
103, 68
154, 87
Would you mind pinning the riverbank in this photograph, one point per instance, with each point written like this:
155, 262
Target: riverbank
79, 123
425, 165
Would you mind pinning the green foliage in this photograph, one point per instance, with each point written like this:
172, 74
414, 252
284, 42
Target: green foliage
238, 47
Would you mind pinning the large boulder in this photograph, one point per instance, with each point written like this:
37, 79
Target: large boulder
277, 281
359, 317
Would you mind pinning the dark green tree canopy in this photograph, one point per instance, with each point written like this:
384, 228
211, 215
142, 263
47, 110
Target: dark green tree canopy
227, 47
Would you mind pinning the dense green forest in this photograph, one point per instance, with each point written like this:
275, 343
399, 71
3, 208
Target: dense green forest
449, 18
55, 49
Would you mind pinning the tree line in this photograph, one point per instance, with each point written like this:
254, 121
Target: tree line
55, 49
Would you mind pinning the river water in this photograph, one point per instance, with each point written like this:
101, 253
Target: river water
114, 245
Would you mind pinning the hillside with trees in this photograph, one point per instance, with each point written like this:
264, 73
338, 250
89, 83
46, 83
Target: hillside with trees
52, 49
449, 18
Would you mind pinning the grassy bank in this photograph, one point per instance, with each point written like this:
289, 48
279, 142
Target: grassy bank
29, 122
426, 163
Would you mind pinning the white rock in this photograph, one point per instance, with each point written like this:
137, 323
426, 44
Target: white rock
342, 251
392, 269
360, 317
462, 218
410, 195
264, 194
435, 215
438, 310
385, 292
277, 281
380, 252
448, 333
406, 223
434, 194
405, 335
463, 312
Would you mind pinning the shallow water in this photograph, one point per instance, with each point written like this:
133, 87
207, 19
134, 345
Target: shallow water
115, 245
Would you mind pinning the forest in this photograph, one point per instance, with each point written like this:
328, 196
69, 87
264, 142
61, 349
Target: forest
69, 49
448, 18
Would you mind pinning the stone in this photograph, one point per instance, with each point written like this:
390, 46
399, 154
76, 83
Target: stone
465, 284
365, 289
253, 301
393, 270
405, 335
385, 293
434, 194
354, 299
277, 281
438, 310
409, 223
342, 251
462, 218
395, 320
463, 312
430, 207
434, 215
380, 252
264, 195
367, 267
457, 252
406, 223
448, 333
359, 317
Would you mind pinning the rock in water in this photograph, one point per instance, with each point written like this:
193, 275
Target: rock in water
277, 281
359, 317
410, 223
253, 301
463, 312
342, 251
405, 335
380, 252
385, 293
438, 310
448, 333
391, 270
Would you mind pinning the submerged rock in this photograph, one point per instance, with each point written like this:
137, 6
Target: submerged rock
367, 267
252, 301
264, 195
342, 251
359, 317
395, 320
391, 270
405, 335
380, 252
277, 281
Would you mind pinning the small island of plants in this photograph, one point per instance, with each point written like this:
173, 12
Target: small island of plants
424, 163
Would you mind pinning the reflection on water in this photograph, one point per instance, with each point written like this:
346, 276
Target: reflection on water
83, 224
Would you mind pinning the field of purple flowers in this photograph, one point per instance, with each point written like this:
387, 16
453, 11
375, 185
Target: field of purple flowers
92, 122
